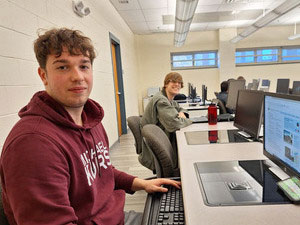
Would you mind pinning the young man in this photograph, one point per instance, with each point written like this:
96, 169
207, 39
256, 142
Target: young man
55, 165
166, 113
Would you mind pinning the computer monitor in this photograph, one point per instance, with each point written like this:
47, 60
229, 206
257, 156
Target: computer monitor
193, 95
204, 94
189, 89
233, 88
255, 83
265, 83
282, 131
249, 109
296, 88
283, 86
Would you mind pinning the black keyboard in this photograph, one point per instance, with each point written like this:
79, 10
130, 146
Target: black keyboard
164, 208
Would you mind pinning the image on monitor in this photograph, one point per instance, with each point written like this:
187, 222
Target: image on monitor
233, 88
249, 110
296, 88
283, 86
282, 131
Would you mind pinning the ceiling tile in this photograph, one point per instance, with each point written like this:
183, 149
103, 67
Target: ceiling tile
207, 8
132, 16
151, 16
158, 26
132, 4
139, 27
171, 7
155, 14
153, 4
210, 2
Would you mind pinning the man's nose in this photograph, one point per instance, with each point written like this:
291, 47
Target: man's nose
77, 74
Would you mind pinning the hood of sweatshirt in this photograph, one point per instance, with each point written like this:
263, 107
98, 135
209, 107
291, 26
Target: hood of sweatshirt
44, 105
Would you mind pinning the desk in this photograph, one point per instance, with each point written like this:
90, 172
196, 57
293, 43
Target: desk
196, 212
196, 110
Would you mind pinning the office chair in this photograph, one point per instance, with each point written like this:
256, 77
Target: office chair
221, 105
3, 219
134, 125
165, 158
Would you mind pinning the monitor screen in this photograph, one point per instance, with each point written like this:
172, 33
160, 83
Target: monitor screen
296, 88
204, 93
189, 89
282, 131
283, 86
193, 95
234, 87
248, 113
265, 83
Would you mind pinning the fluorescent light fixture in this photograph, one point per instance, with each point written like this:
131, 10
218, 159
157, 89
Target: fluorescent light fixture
268, 18
295, 35
182, 27
236, 39
282, 9
185, 10
248, 31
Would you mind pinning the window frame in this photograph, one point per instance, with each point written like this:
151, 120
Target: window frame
193, 53
279, 55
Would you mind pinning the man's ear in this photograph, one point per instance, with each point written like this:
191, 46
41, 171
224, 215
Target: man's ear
43, 75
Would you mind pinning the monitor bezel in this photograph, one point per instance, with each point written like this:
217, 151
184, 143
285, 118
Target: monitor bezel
256, 134
280, 82
231, 97
286, 168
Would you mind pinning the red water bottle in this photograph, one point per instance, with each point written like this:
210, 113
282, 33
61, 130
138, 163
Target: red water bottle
212, 114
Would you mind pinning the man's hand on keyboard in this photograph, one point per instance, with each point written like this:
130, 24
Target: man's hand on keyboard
154, 185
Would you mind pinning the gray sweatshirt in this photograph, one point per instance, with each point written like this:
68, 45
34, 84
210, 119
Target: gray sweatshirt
163, 113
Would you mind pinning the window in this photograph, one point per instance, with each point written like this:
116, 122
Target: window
271, 55
194, 60
291, 54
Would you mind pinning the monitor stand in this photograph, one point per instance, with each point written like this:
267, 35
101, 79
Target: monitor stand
244, 134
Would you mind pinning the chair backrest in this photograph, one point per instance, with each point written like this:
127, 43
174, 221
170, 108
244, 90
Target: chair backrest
3, 220
221, 105
164, 155
134, 125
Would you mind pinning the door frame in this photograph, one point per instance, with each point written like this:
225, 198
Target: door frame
116, 42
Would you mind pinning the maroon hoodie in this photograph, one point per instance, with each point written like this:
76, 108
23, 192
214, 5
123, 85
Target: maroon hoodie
56, 172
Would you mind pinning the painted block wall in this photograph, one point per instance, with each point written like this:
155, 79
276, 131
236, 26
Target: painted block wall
19, 80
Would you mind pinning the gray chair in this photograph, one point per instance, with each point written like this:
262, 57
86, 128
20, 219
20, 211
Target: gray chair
134, 125
219, 103
3, 220
165, 158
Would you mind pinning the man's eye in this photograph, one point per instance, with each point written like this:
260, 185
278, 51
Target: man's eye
84, 67
62, 67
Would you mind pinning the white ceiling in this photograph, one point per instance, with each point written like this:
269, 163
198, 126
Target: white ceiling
153, 16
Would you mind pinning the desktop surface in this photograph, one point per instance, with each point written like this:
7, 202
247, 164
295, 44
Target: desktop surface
239, 182
196, 212
214, 137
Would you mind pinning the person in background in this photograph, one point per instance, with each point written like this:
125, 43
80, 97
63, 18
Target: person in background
166, 113
224, 92
241, 78
223, 95
55, 166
